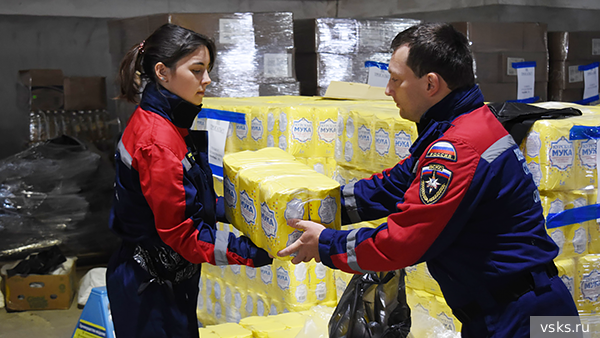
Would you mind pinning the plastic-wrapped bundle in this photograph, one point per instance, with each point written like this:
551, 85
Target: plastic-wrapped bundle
572, 239
274, 191
326, 35
376, 34
587, 280
277, 89
550, 154
360, 73
373, 137
55, 193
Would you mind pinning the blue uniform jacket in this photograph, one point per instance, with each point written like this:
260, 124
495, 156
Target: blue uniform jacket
464, 201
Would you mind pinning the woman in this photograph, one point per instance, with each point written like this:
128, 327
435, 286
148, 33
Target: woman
165, 208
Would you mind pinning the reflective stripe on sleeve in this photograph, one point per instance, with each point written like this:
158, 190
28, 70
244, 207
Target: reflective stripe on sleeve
496, 149
125, 156
186, 164
221, 243
350, 203
351, 253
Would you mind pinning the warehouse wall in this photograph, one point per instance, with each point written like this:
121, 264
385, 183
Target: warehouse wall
72, 34
78, 46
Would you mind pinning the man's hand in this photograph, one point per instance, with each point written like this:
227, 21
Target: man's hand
307, 246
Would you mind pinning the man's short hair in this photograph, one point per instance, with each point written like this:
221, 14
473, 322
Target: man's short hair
438, 48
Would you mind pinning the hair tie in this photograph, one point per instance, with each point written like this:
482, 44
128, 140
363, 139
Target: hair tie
141, 47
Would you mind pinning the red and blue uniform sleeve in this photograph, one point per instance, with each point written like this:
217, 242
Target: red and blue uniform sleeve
177, 207
416, 216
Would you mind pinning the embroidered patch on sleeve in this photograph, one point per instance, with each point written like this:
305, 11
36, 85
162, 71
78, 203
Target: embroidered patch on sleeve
435, 179
442, 149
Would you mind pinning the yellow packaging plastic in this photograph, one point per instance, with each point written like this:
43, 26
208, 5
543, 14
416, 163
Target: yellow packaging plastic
566, 272
420, 301
300, 131
262, 326
233, 163
263, 304
593, 225
292, 332
207, 333
419, 278
586, 173
240, 132
365, 136
292, 319
587, 283
232, 313
235, 273
230, 330
443, 313
322, 283
273, 112
270, 193
550, 155
341, 282
393, 137
293, 285
322, 165
265, 280
571, 239
325, 118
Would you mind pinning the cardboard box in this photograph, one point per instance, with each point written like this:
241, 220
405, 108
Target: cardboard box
84, 93
326, 35
274, 29
355, 91
505, 36
500, 92
565, 95
566, 74
497, 67
40, 89
40, 292
574, 46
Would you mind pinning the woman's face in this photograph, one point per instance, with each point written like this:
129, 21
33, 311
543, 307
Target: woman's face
189, 78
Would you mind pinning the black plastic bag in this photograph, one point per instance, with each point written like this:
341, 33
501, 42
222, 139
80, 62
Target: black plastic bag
517, 118
40, 263
373, 305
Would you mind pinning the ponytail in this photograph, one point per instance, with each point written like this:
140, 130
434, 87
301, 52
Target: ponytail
130, 71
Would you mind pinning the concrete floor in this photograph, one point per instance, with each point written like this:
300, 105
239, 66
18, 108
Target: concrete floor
42, 323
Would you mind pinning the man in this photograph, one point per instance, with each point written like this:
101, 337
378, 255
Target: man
463, 201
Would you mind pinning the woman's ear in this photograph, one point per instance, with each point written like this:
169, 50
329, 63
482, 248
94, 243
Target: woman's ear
161, 71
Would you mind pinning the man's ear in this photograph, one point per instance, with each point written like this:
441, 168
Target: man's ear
433, 83
161, 71
436, 85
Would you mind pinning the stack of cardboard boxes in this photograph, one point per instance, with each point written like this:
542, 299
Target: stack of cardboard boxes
254, 50
496, 46
336, 49
568, 51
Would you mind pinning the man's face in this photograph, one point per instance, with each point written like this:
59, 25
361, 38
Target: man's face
408, 91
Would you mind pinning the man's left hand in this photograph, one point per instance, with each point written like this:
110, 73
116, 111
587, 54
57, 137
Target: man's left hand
307, 246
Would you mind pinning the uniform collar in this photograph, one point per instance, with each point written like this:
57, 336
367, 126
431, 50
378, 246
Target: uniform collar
168, 105
458, 102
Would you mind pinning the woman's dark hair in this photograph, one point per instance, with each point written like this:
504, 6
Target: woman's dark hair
168, 44
438, 48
